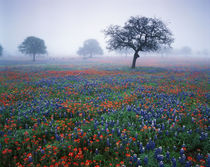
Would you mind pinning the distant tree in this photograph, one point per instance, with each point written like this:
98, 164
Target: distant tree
1, 50
203, 52
165, 51
125, 52
90, 48
141, 34
185, 50
33, 46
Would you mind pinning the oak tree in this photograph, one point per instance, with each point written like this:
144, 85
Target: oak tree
90, 48
141, 34
32, 46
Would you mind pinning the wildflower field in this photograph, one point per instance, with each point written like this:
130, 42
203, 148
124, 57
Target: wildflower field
69, 116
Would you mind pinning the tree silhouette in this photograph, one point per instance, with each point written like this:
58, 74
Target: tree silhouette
33, 46
90, 48
1, 50
141, 34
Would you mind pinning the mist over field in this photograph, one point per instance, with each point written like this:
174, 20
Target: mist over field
145, 60
64, 25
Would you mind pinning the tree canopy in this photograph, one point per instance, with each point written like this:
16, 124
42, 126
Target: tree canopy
140, 34
33, 46
90, 48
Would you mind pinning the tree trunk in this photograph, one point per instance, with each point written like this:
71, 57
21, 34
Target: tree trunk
34, 57
134, 59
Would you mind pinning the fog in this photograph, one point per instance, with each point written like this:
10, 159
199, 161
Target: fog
65, 24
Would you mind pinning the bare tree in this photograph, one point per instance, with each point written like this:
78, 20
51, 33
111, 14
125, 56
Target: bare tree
33, 46
141, 34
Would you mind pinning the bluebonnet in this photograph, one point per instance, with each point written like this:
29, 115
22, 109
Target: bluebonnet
146, 160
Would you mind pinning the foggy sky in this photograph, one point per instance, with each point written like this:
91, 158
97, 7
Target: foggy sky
65, 24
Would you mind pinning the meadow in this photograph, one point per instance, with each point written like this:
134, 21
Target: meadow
104, 115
